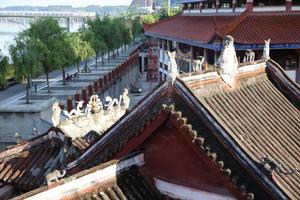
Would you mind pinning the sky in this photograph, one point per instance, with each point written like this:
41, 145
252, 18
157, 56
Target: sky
74, 3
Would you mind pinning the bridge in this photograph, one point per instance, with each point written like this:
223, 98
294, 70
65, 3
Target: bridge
25, 17
39, 14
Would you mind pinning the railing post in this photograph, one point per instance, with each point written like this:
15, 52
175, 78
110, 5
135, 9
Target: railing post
84, 97
77, 98
90, 89
69, 104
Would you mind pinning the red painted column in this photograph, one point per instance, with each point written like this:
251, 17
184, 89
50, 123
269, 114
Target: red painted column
288, 5
112, 75
69, 104
84, 97
100, 84
90, 89
109, 77
95, 86
249, 5
77, 98
105, 81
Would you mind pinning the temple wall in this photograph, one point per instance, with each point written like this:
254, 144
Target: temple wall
169, 157
23, 121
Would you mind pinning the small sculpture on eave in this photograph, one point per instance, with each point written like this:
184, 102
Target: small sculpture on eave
55, 176
125, 100
266, 53
112, 105
95, 105
173, 69
197, 64
56, 110
227, 61
18, 137
75, 112
249, 56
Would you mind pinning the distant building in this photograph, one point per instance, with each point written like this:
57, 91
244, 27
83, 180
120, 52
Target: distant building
142, 6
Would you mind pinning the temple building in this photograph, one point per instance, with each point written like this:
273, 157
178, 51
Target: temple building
197, 32
230, 132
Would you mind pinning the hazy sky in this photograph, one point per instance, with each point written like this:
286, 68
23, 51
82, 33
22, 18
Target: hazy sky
74, 3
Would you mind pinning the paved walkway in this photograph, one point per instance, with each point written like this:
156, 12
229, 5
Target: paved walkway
16, 95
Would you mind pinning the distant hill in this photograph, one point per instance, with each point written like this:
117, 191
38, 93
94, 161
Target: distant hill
101, 10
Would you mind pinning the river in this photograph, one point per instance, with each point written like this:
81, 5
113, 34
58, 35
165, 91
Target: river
9, 30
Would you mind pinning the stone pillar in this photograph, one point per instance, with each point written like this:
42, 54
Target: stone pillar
143, 63
298, 69
217, 5
288, 5
168, 45
249, 5
234, 5
215, 57
201, 6
191, 58
205, 54
69, 104
68, 25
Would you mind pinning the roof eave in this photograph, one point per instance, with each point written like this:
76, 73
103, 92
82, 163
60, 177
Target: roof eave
185, 41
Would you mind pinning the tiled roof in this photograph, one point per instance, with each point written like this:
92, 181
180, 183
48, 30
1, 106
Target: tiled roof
262, 121
196, 28
24, 166
130, 185
248, 28
114, 180
254, 28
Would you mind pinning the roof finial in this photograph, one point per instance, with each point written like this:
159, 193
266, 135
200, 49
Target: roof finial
227, 61
266, 53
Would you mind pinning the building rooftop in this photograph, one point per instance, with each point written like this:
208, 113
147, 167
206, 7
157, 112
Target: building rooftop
248, 29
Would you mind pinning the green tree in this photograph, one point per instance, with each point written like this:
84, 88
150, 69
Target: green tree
87, 36
4, 68
137, 26
97, 27
149, 19
50, 35
25, 54
66, 55
81, 49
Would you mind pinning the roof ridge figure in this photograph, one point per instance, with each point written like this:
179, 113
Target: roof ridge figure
227, 61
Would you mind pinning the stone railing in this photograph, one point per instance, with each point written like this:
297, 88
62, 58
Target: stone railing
100, 85
268, 8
